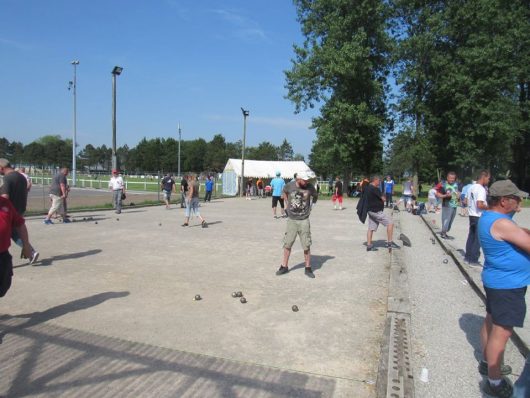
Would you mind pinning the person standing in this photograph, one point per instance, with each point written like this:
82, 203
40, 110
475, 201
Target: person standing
10, 221
432, 200
448, 192
259, 184
208, 185
58, 195
463, 198
183, 192
249, 189
337, 193
505, 277
193, 202
375, 202
277, 185
389, 191
168, 186
300, 197
476, 198
408, 191
118, 189
15, 189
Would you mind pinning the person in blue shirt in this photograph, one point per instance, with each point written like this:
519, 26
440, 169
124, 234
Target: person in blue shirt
277, 185
389, 190
209, 189
505, 276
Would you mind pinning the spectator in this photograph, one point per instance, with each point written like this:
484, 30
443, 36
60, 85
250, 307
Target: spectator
337, 194
448, 192
208, 186
277, 185
183, 192
432, 200
389, 191
118, 190
476, 199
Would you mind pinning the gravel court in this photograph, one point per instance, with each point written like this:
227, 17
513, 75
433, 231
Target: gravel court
157, 269
446, 319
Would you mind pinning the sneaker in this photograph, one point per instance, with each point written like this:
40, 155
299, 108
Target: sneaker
443, 235
371, 248
503, 390
204, 224
309, 272
47, 221
34, 257
483, 369
282, 270
473, 264
185, 224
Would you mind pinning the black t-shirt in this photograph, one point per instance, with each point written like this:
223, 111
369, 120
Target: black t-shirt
338, 187
168, 183
184, 185
373, 197
16, 186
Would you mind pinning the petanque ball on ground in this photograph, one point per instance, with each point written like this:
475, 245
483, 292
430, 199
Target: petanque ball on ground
243, 300
159, 224
117, 219
295, 308
197, 297
239, 294
445, 261
96, 222
234, 294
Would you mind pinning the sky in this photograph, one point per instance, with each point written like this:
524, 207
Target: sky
190, 62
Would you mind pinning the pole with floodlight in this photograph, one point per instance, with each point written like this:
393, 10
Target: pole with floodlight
115, 72
245, 115
74, 143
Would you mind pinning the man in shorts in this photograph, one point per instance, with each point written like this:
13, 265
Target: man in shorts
300, 196
58, 195
505, 276
168, 186
376, 204
277, 185
192, 202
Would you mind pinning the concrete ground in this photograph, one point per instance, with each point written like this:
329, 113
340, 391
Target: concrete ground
109, 309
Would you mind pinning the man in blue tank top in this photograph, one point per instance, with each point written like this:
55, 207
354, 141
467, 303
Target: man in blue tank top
506, 276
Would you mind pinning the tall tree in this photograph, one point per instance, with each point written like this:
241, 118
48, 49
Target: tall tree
285, 151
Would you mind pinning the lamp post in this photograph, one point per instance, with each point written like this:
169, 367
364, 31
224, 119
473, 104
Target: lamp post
74, 144
180, 136
115, 72
245, 115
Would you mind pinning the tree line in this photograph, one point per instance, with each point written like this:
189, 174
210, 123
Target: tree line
444, 84
149, 155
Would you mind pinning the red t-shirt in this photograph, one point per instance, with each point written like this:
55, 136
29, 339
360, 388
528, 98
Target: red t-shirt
9, 219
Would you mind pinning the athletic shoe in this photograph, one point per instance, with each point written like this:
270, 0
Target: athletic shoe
483, 369
309, 272
204, 225
443, 235
185, 224
34, 257
473, 264
282, 270
503, 390
48, 221
371, 248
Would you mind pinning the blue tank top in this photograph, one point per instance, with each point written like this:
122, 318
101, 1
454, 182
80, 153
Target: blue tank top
506, 266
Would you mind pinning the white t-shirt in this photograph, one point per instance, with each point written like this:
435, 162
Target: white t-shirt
116, 183
474, 194
432, 193
407, 188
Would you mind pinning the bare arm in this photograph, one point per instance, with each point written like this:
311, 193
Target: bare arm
509, 231
482, 205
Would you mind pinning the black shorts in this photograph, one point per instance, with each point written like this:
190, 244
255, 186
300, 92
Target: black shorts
507, 307
6, 272
275, 200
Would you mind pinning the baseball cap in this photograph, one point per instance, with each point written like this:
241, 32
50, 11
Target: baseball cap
505, 188
305, 175
278, 173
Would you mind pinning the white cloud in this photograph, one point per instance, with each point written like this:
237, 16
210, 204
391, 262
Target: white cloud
245, 28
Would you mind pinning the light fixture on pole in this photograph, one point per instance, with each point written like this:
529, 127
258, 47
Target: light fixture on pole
245, 115
73, 85
115, 72
180, 136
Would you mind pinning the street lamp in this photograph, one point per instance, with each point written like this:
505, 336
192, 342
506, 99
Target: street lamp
180, 136
115, 72
245, 115
74, 144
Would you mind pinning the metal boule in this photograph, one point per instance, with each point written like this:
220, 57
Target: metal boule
96, 222
197, 297
445, 261
234, 294
239, 294
294, 308
243, 300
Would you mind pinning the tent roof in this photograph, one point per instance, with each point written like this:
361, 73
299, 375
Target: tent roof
267, 168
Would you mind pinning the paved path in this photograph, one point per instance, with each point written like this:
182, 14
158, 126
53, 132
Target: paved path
110, 309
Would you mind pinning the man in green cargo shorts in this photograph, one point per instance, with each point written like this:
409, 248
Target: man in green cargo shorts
300, 196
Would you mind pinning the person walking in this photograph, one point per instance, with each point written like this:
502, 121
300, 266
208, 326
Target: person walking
337, 193
193, 202
277, 185
118, 190
259, 185
183, 192
168, 185
375, 203
208, 185
505, 277
15, 189
476, 198
448, 192
58, 195
389, 191
300, 196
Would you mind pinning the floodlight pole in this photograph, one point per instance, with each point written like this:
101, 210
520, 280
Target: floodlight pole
115, 72
74, 144
180, 137
245, 115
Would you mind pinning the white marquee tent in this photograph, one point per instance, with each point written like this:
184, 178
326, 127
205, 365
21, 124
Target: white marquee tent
257, 169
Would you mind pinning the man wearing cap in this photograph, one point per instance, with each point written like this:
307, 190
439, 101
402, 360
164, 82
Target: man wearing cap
300, 196
505, 276
118, 189
277, 185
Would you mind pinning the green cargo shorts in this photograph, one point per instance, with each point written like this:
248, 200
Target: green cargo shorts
297, 227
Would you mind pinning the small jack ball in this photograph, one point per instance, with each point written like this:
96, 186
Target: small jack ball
445, 261
295, 308
243, 300
197, 297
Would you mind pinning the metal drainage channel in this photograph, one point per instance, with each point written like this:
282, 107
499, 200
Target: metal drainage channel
400, 378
